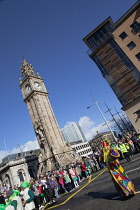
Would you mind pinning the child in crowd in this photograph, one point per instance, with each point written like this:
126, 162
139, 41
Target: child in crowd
61, 182
73, 176
54, 185
68, 182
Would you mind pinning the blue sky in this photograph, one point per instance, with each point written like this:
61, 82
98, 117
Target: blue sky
49, 34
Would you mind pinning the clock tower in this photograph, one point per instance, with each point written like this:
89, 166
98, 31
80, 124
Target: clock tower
54, 151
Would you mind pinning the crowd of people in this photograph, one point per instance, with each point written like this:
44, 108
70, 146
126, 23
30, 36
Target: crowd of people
51, 185
48, 187
128, 146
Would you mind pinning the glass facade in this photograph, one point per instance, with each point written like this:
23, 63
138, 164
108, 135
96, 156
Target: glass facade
73, 132
100, 36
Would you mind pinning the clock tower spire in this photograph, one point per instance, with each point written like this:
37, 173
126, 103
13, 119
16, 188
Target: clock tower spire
26, 68
54, 150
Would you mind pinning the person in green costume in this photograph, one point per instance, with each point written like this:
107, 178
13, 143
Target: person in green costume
14, 200
28, 196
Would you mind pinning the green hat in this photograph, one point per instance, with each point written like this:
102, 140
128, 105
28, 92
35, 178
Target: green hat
25, 185
16, 192
2, 207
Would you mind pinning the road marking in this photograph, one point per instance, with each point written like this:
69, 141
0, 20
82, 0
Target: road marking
133, 170
135, 159
89, 181
137, 192
131, 161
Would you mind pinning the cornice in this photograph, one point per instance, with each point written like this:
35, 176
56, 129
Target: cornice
35, 92
29, 77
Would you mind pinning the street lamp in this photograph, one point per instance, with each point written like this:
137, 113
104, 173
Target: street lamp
26, 167
96, 103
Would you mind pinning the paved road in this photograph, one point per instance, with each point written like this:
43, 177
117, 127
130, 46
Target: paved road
99, 192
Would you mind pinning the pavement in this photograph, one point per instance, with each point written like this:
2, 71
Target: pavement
98, 191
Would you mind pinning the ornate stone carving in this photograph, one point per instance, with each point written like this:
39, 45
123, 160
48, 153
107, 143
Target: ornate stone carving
20, 80
39, 131
40, 159
26, 68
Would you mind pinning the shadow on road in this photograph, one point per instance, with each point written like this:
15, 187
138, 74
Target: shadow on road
136, 182
108, 196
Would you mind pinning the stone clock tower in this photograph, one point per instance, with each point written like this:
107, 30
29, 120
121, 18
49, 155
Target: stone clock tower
54, 151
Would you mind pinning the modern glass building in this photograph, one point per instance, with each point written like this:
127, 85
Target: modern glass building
115, 48
73, 132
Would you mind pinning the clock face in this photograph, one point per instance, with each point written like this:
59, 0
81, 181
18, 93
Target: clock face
28, 88
37, 86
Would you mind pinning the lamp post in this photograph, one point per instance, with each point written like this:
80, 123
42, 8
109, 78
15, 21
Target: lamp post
26, 168
96, 103
6, 150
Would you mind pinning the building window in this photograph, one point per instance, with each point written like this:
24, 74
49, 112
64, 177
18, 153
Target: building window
131, 45
100, 36
138, 56
20, 176
123, 35
135, 27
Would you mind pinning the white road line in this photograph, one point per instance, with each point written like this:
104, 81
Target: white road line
135, 159
137, 192
133, 170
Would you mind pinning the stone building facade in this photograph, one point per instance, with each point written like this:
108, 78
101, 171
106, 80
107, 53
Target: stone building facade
115, 48
16, 168
95, 143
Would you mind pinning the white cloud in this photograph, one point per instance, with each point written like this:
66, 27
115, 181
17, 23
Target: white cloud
3, 154
89, 129
86, 123
30, 145
69, 123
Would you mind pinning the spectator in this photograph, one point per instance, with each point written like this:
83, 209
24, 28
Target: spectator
4, 188
37, 200
73, 176
61, 182
134, 139
132, 148
2, 199
14, 200
83, 169
28, 196
124, 151
68, 182
54, 186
